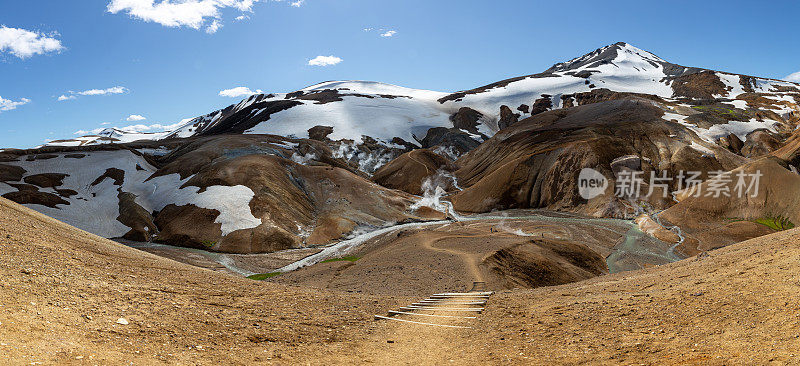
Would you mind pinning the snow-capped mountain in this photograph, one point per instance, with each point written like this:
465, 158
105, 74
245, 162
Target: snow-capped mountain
302, 161
384, 112
109, 136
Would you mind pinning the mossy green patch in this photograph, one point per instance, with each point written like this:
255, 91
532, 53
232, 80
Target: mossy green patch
263, 276
779, 223
342, 259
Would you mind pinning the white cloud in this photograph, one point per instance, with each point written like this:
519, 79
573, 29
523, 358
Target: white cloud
241, 17
194, 14
91, 92
214, 27
149, 128
89, 132
8, 105
175, 13
135, 118
24, 43
324, 61
383, 32
239, 91
793, 77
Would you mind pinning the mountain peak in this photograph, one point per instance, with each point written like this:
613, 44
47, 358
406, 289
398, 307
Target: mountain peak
614, 54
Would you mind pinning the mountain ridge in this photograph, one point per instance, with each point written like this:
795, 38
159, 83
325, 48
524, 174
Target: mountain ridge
407, 113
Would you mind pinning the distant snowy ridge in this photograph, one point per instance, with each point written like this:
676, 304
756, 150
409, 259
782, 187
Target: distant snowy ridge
387, 112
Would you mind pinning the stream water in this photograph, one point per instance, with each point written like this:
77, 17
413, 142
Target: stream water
635, 250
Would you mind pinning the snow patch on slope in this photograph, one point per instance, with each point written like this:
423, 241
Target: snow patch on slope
96, 208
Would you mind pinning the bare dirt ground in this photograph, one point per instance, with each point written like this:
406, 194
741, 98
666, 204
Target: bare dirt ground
418, 262
255, 263
64, 290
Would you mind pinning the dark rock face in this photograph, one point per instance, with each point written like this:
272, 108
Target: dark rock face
26, 197
541, 105
507, 117
455, 97
466, 119
320, 133
117, 175
458, 140
239, 121
596, 96
732, 143
701, 85
188, 226
24, 187
135, 217
760, 143
11, 173
46, 180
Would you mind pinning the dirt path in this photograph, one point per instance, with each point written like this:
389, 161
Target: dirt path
403, 343
471, 260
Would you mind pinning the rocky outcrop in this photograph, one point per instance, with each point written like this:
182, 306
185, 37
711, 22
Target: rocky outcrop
11, 173
30, 197
408, 172
188, 226
732, 142
117, 175
541, 105
134, 216
453, 139
507, 117
467, 119
760, 143
46, 180
319, 133
701, 85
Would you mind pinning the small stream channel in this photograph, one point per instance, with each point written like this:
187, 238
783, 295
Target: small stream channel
634, 251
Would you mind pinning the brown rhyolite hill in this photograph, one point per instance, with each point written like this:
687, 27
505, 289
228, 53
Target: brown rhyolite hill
536, 162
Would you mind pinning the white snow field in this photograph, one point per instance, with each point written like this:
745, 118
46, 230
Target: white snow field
96, 208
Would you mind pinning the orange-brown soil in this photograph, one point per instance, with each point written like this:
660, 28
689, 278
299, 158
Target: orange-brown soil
63, 291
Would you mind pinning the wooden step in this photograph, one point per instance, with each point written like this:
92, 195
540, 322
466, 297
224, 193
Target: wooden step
421, 323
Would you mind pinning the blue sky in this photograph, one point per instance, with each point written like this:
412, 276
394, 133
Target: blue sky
112, 59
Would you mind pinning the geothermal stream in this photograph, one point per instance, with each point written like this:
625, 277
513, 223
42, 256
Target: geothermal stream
633, 243
675, 229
